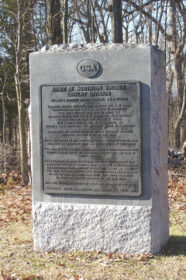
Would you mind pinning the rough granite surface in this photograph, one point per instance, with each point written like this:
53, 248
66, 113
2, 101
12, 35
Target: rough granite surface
89, 47
160, 209
64, 227
133, 226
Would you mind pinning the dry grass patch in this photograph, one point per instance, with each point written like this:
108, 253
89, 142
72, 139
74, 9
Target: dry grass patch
17, 259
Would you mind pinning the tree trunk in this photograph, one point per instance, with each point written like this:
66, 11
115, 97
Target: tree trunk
150, 25
172, 25
4, 131
21, 120
179, 120
22, 133
176, 50
65, 21
170, 103
53, 25
88, 21
116, 18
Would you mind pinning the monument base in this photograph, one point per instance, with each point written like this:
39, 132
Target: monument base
105, 228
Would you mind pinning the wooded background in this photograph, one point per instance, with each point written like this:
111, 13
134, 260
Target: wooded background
28, 25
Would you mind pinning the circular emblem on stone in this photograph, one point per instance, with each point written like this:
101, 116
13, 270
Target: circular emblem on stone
88, 68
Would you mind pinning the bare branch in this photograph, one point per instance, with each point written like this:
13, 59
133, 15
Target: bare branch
141, 9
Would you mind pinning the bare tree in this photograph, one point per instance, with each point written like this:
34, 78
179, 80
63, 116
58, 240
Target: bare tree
65, 21
53, 23
92, 17
19, 92
116, 17
177, 50
175, 35
3, 82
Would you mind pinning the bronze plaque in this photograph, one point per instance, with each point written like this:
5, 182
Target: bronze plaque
91, 138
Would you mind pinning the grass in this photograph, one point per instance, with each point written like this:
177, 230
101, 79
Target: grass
18, 257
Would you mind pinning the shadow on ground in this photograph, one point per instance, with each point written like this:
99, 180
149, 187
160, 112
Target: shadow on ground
175, 246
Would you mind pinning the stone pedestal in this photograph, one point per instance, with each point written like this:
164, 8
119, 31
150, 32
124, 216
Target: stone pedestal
110, 220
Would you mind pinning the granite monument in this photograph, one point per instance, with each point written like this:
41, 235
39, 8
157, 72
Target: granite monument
99, 148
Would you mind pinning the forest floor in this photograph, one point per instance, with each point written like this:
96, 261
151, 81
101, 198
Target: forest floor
18, 260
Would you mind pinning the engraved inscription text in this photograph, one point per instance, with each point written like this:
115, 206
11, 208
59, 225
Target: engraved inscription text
91, 139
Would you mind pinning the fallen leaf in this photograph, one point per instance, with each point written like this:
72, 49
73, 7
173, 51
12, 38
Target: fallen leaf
8, 276
110, 255
76, 277
33, 277
60, 264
